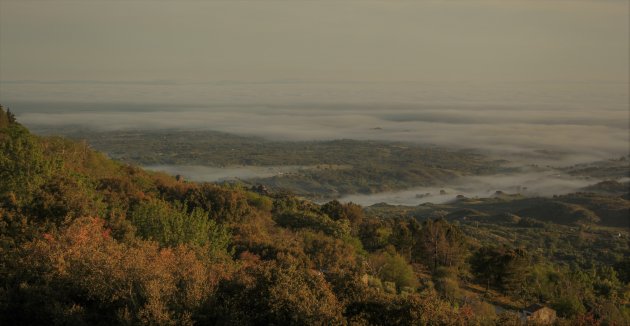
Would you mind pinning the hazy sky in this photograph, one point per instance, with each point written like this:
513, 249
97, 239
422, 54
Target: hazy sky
200, 41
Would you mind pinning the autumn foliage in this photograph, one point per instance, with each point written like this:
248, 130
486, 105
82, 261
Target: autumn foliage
85, 240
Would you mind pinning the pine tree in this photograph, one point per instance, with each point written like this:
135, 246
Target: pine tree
4, 119
10, 116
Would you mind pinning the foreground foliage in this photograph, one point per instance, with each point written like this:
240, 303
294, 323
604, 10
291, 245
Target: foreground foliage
89, 241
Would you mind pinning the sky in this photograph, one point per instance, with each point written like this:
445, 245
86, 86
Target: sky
374, 41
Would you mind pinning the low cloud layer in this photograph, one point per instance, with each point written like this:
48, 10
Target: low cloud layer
586, 136
546, 183
538, 183
581, 121
200, 173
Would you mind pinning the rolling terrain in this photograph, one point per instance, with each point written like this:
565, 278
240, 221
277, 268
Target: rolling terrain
88, 240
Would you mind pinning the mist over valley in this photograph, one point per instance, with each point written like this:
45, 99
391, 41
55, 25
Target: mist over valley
461, 162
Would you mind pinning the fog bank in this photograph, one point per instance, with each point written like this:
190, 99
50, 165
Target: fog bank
200, 173
544, 184
593, 129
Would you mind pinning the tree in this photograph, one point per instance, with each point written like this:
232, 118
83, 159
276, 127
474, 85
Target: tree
412, 309
85, 277
337, 211
441, 244
405, 236
483, 266
275, 293
10, 116
224, 205
515, 267
173, 225
501, 267
23, 165
334, 209
4, 119
314, 221
375, 234
329, 254
389, 266
63, 198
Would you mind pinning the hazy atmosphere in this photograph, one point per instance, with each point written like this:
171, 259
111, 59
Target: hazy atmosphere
315, 162
498, 75
195, 41
509, 78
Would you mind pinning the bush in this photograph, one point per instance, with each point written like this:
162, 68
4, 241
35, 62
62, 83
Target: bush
568, 306
392, 267
276, 293
173, 225
83, 276
313, 221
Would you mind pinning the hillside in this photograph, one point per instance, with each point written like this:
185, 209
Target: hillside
86, 240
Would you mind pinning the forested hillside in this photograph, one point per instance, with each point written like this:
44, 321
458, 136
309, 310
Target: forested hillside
85, 240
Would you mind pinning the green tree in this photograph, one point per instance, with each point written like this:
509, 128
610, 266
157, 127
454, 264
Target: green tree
23, 165
389, 266
338, 211
412, 309
501, 267
441, 244
275, 293
375, 234
173, 225
10, 116
314, 221
4, 119
329, 254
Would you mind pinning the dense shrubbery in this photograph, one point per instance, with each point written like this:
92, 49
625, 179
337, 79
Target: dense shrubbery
90, 241
84, 276
85, 240
173, 224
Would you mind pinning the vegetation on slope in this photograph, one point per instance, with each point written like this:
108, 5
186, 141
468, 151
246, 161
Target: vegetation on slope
87, 241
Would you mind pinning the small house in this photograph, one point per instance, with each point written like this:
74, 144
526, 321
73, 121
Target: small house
538, 314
